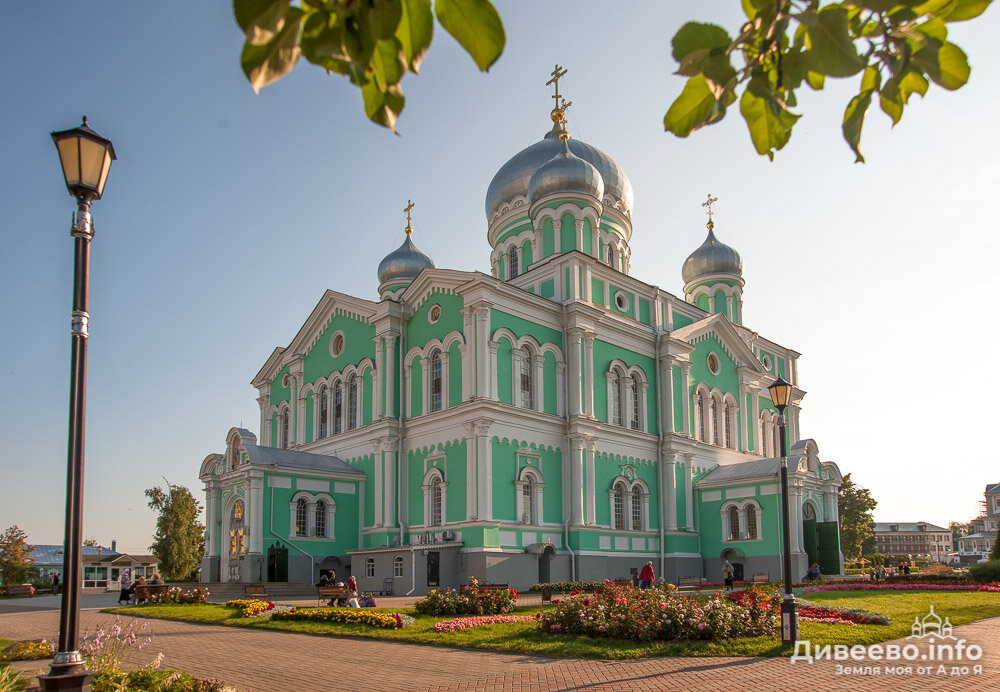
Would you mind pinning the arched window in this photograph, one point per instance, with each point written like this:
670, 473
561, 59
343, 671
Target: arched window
301, 517
283, 429
324, 411
751, 518
728, 423
636, 508
512, 262
777, 438
436, 504
734, 524
701, 429
611, 255
319, 520
352, 402
397, 566
716, 423
527, 380
528, 499
527, 502
237, 535
338, 407
620, 492
370, 568
615, 402
633, 384
437, 394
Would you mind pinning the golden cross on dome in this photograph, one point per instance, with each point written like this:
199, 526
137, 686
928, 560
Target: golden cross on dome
557, 74
708, 203
409, 206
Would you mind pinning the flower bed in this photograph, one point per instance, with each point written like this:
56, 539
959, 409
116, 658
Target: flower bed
251, 607
176, 594
459, 624
627, 613
387, 621
471, 600
867, 586
814, 612
32, 650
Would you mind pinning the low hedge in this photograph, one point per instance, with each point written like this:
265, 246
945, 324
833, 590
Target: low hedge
985, 572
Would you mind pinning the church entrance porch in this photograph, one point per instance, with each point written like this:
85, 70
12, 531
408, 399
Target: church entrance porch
277, 563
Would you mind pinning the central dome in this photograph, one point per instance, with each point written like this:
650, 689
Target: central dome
566, 173
514, 177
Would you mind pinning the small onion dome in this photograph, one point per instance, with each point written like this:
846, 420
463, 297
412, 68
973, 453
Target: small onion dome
566, 172
713, 257
404, 263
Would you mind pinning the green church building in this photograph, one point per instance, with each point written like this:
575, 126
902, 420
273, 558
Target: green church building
555, 419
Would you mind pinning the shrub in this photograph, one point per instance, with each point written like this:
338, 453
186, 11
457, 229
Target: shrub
657, 613
567, 586
10, 679
109, 651
178, 595
985, 572
471, 600
27, 651
387, 621
152, 680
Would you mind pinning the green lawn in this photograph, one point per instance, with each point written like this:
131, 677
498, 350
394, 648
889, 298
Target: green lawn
526, 638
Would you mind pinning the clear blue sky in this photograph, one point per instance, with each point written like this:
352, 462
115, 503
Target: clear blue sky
227, 214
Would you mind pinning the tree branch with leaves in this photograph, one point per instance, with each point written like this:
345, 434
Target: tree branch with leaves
179, 542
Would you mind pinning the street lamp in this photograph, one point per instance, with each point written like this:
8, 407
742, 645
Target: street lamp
86, 159
781, 392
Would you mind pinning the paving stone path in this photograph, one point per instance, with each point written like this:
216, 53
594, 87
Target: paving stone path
281, 661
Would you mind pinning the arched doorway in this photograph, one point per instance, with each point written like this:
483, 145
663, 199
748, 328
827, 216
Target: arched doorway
736, 558
237, 540
810, 532
545, 563
277, 562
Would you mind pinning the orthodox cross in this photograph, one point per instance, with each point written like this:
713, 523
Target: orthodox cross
557, 74
708, 203
409, 206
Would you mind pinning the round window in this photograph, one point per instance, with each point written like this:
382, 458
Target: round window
284, 380
766, 361
714, 364
337, 344
621, 300
434, 314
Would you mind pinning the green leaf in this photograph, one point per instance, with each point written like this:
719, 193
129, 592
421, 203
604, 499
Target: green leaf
933, 7
383, 107
966, 9
415, 30
696, 106
830, 44
751, 8
944, 63
387, 61
695, 36
769, 121
854, 119
912, 83
476, 26
877, 5
264, 64
871, 79
891, 100
934, 28
383, 16
260, 19
815, 80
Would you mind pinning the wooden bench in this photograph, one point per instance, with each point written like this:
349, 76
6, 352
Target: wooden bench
761, 578
20, 590
490, 587
327, 594
689, 583
142, 593
255, 591
622, 582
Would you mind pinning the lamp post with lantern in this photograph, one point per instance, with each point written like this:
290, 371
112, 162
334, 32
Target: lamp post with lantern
781, 392
86, 160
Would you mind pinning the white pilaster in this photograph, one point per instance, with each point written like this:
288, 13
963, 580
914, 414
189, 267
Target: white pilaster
378, 384
390, 374
689, 490
255, 524
576, 480
588, 373
485, 463
575, 370
686, 397
591, 489
671, 492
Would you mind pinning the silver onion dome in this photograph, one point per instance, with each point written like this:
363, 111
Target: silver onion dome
566, 172
713, 257
514, 176
404, 263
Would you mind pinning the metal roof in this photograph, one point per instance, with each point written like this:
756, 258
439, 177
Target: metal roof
903, 526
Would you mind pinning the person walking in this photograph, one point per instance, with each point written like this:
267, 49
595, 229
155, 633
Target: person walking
55, 584
126, 593
728, 573
646, 576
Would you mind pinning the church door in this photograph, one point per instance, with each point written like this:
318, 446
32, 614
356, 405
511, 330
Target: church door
237, 541
810, 534
545, 566
433, 568
277, 563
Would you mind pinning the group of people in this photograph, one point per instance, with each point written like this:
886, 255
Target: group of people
881, 572
353, 599
128, 588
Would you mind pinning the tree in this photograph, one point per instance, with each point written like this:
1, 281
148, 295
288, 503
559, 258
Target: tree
856, 522
16, 565
90, 542
958, 529
179, 542
897, 46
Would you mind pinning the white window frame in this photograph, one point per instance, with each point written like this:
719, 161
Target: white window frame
397, 566
434, 474
741, 509
311, 500
529, 474
628, 509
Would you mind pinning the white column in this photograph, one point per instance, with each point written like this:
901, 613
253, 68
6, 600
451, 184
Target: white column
255, 525
471, 476
667, 423
729, 314
211, 520
560, 387
686, 398
539, 382
425, 380
468, 351
485, 451
575, 369
390, 374
741, 406
579, 234
587, 283
795, 518
758, 438
490, 387
576, 480
379, 466
591, 489
483, 356
391, 456
516, 363
445, 380
588, 373
264, 428
671, 492
377, 384
689, 490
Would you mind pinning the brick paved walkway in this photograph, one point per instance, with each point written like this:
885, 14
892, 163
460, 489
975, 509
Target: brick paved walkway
280, 661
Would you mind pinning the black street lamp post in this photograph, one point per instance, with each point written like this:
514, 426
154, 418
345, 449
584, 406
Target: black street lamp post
781, 392
86, 159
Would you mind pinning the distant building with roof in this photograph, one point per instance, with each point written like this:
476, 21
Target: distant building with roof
102, 566
913, 539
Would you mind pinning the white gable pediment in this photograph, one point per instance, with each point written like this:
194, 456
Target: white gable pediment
719, 327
